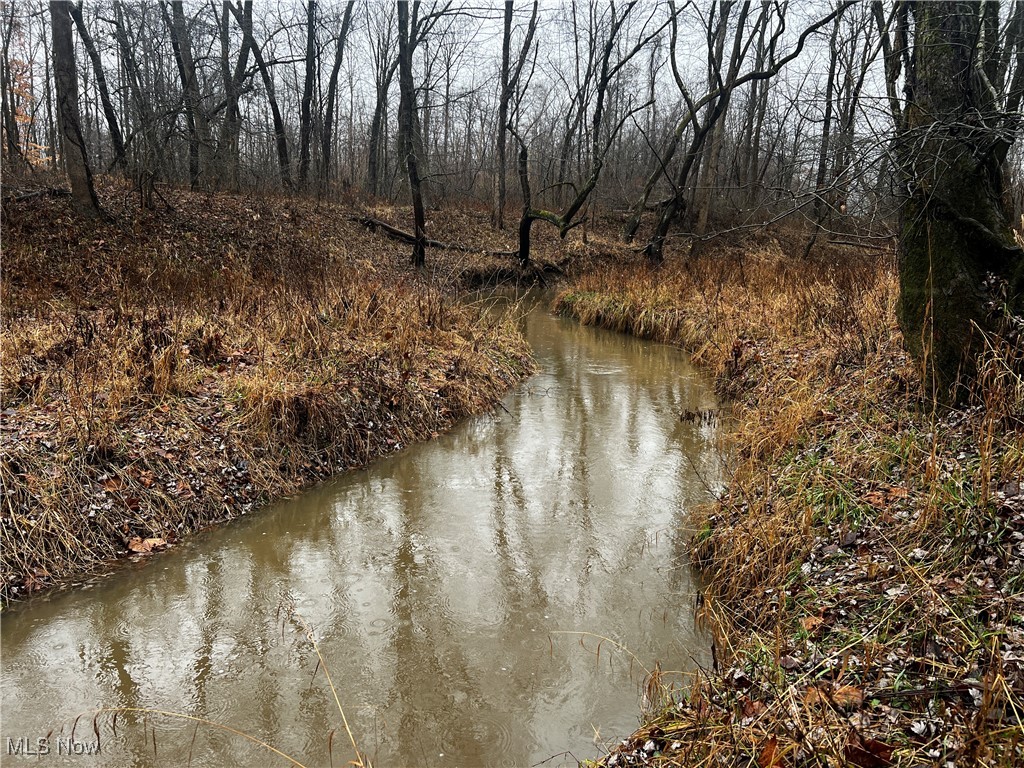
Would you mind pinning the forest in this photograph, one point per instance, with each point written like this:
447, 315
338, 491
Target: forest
716, 305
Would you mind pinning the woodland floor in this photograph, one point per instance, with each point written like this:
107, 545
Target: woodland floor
866, 564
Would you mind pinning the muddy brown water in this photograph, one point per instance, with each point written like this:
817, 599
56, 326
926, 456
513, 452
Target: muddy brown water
445, 584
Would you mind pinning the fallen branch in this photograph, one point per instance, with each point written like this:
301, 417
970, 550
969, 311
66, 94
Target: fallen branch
401, 235
47, 191
376, 225
865, 246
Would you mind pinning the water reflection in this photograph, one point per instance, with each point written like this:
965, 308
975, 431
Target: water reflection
440, 582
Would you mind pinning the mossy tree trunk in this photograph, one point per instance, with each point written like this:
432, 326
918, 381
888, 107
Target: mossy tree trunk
954, 232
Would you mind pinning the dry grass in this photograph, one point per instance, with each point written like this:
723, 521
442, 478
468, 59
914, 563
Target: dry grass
866, 565
163, 372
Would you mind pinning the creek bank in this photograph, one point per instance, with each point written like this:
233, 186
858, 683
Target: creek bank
865, 567
168, 370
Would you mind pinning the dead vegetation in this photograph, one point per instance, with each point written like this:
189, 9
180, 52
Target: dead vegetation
169, 369
866, 564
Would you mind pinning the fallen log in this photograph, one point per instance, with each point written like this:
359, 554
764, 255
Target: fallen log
393, 232
46, 191
376, 225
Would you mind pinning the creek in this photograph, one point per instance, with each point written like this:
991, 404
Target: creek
459, 590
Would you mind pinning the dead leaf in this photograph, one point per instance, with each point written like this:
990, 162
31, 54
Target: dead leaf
845, 697
868, 753
32, 584
875, 498
113, 484
770, 757
811, 623
848, 697
752, 707
145, 546
814, 697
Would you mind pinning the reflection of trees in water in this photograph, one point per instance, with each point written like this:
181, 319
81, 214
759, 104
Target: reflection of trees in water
430, 664
551, 511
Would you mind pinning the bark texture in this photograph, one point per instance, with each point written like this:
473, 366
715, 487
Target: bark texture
954, 232
75, 155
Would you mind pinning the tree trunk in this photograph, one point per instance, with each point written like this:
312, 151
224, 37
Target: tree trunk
76, 158
327, 141
953, 231
407, 123
498, 215
655, 249
12, 135
749, 161
148, 150
227, 159
51, 126
661, 165
200, 141
306, 106
374, 166
717, 100
526, 220
116, 138
820, 207
709, 175
244, 19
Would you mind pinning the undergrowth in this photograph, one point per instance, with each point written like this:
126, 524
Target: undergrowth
163, 371
865, 566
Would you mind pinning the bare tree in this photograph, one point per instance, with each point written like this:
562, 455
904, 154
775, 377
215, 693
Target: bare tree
715, 98
200, 141
226, 156
243, 15
75, 153
602, 136
116, 137
8, 119
327, 141
385, 66
412, 31
306, 109
717, 34
407, 41
510, 78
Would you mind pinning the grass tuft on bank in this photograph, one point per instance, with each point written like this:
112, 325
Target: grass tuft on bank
170, 369
865, 566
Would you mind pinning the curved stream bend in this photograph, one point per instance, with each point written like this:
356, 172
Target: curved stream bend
440, 581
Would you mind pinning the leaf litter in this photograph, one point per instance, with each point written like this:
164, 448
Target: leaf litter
865, 566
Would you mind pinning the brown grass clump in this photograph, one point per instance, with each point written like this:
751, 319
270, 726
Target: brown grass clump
866, 564
163, 375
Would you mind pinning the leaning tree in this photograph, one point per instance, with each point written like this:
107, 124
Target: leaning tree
961, 272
